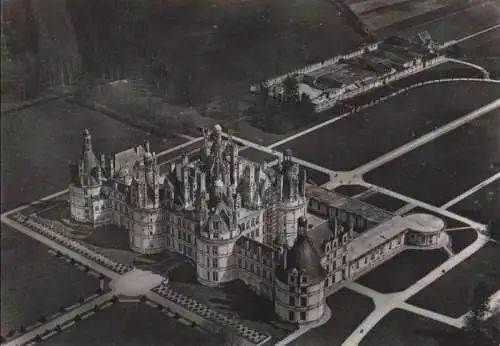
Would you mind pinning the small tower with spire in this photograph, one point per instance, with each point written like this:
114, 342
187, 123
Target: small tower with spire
292, 201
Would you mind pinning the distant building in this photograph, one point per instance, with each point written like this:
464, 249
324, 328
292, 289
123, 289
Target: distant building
236, 219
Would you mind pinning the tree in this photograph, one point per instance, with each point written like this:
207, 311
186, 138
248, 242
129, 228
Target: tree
482, 325
291, 90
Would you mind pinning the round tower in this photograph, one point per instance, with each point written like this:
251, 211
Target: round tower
86, 204
292, 201
300, 281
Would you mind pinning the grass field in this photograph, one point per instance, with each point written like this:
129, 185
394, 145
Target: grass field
443, 19
484, 50
466, 156
403, 270
346, 143
34, 283
452, 293
483, 205
460, 239
223, 46
402, 327
348, 309
131, 324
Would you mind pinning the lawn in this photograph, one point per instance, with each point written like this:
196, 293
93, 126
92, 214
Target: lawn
452, 293
484, 50
348, 309
384, 202
235, 299
131, 324
460, 239
483, 205
403, 270
349, 142
401, 327
34, 283
465, 157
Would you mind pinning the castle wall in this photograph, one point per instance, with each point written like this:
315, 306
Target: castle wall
179, 233
83, 201
376, 256
145, 231
216, 262
256, 268
299, 302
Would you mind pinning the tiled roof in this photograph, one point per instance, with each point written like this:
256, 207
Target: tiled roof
376, 236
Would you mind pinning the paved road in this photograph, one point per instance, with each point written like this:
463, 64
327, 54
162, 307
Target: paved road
471, 191
398, 299
426, 138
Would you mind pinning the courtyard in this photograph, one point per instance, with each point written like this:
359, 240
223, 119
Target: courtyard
384, 202
234, 299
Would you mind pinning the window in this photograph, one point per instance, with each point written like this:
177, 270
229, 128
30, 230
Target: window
291, 315
257, 233
264, 273
304, 290
216, 225
251, 267
291, 289
304, 279
215, 250
291, 301
303, 301
302, 315
215, 263
215, 276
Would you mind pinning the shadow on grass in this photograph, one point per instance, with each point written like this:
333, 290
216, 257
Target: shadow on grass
110, 237
250, 306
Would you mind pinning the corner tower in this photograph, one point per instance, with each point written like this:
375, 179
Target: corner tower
85, 186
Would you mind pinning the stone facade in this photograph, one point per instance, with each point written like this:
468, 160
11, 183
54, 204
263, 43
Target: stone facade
235, 219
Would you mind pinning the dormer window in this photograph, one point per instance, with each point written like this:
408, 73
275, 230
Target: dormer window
304, 279
216, 225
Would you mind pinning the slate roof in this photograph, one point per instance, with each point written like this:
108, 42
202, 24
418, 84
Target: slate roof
303, 257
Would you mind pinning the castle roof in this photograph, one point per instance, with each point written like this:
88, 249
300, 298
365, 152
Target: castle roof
304, 258
350, 205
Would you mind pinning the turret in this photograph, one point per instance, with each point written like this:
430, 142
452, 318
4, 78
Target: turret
87, 141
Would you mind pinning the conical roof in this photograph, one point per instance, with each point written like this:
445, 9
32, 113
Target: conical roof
304, 258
